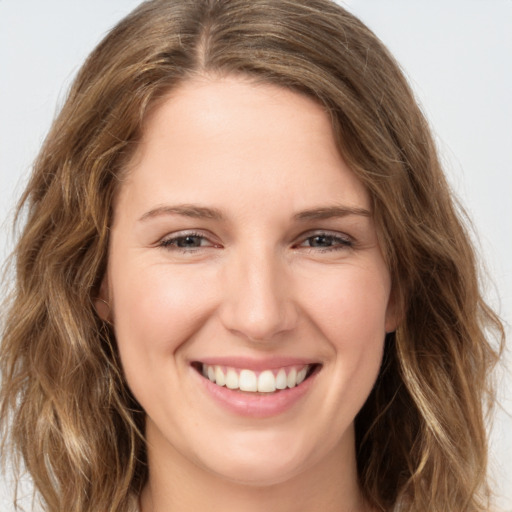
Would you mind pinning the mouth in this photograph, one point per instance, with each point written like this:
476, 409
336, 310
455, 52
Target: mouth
264, 382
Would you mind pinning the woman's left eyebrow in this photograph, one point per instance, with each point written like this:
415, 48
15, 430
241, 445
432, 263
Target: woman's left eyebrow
330, 212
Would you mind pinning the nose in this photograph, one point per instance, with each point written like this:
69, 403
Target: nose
258, 297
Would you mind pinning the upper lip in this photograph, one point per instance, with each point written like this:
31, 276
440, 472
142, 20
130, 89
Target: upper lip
256, 364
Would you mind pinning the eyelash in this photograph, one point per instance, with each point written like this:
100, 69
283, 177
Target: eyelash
338, 242
171, 243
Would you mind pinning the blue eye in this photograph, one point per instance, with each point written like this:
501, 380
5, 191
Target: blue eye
186, 242
326, 242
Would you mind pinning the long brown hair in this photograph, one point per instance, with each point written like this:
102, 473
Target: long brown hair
66, 411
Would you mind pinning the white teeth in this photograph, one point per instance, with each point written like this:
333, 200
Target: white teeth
248, 381
231, 379
301, 375
292, 378
281, 381
219, 376
267, 381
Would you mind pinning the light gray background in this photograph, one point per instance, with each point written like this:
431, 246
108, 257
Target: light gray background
456, 53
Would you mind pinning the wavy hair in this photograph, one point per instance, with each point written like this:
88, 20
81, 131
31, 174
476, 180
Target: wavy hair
66, 413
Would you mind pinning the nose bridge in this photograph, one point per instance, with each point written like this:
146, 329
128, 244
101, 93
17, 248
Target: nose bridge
257, 299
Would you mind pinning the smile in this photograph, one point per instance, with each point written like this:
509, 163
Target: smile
266, 381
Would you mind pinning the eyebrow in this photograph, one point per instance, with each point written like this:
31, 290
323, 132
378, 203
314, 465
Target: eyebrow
202, 212
186, 210
331, 212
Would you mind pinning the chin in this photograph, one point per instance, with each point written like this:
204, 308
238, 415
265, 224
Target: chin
259, 464
259, 473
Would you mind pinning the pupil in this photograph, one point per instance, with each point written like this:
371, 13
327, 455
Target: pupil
321, 240
189, 241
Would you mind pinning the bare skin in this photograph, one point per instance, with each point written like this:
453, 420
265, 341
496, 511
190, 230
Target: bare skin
192, 489
243, 242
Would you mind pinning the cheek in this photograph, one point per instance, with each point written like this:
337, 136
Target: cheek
350, 306
350, 310
156, 311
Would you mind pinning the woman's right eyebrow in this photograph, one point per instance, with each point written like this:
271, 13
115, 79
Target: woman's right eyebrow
186, 210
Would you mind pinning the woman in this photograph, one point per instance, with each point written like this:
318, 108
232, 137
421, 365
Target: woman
242, 281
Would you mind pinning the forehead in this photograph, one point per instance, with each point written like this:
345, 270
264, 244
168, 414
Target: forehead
232, 137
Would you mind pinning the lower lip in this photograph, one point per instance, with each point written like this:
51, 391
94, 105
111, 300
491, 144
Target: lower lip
256, 405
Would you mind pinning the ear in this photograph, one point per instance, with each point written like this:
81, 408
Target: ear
394, 312
102, 302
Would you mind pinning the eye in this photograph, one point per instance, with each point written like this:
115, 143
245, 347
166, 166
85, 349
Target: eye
326, 241
186, 242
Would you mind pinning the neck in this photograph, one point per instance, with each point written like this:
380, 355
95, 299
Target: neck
178, 485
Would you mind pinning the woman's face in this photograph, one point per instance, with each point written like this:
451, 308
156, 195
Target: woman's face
243, 255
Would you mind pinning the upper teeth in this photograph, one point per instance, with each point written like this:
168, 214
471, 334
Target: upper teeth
266, 381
